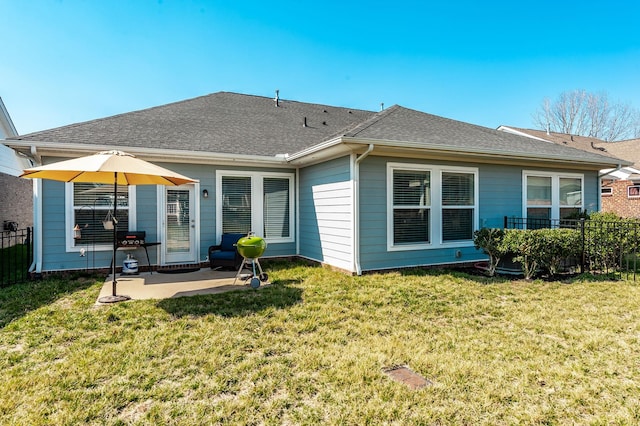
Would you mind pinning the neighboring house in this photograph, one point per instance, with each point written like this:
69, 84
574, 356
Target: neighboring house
357, 190
16, 208
620, 188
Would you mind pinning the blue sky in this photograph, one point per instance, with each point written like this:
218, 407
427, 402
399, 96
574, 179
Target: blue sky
487, 63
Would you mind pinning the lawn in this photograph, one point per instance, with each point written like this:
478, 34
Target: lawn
312, 347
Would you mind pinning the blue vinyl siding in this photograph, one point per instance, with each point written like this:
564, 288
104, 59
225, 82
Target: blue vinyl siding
53, 231
373, 224
500, 194
54, 254
147, 213
591, 192
332, 172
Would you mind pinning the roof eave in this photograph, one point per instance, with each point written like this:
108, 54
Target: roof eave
54, 149
402, 148
6, 122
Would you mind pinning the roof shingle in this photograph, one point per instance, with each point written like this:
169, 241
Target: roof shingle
231, 123
221, 122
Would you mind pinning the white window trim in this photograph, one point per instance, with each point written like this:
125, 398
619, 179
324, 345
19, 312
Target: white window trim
70, 242
435, 208
555, 191
635, 186
257, 189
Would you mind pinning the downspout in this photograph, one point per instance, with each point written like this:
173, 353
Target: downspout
608, 173
297, 204
356, 210
36, 156
36, 265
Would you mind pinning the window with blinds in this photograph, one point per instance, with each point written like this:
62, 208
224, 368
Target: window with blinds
256, 202
236, 204
458, 204
430, 205
411, 206
92, 203
276, 208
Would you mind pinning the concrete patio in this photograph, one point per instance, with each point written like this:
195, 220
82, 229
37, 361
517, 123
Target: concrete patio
168, 285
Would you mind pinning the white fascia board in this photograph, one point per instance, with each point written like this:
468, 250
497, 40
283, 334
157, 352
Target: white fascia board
314, 149
520, 133
622, 173
328, 149
11, 163
67, 150
483, 153
5, 121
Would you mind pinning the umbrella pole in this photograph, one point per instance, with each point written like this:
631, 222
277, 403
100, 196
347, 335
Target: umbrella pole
114, 297
115, 230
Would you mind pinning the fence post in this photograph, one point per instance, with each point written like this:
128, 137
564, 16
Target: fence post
29, 249
582, 233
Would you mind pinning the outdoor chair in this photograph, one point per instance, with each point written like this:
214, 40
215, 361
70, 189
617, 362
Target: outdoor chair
225, 254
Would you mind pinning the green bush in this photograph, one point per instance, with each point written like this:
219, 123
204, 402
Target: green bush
555, 246
523, 244
489, 240
608, 237
536, 250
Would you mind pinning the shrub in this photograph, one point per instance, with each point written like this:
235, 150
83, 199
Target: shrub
607, 236
490, 241
541, 249
555, 246
523, 245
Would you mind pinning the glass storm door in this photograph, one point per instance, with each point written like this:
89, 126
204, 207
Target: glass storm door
179, 225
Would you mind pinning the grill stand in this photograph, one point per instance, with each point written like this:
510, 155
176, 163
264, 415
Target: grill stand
255, 278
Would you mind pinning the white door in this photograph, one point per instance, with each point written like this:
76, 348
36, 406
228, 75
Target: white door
179, 231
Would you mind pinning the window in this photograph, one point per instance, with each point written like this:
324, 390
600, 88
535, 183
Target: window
276, 208
236, 204
430, 206
91, 204
411, 207
633, 191
551, 196
256, 202
458, 202
606, 191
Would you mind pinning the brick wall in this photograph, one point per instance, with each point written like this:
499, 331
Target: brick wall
16, 201
619, 202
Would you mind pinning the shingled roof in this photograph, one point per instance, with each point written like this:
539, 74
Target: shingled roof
585, 143
629, 150
221, 122
402, 124
237, 124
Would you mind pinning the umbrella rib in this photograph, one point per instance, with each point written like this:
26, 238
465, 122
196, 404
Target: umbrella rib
75, 176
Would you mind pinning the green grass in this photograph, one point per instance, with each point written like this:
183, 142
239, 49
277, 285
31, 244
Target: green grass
310, 349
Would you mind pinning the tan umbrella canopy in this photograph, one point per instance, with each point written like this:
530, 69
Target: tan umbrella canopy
111, 167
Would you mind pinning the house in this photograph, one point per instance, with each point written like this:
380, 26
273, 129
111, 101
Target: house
620, 188
16, 209
357, 190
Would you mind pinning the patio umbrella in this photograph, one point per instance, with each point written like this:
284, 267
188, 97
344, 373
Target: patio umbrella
117, 167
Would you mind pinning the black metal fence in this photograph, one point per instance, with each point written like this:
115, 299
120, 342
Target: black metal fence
16, 255
609, 247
